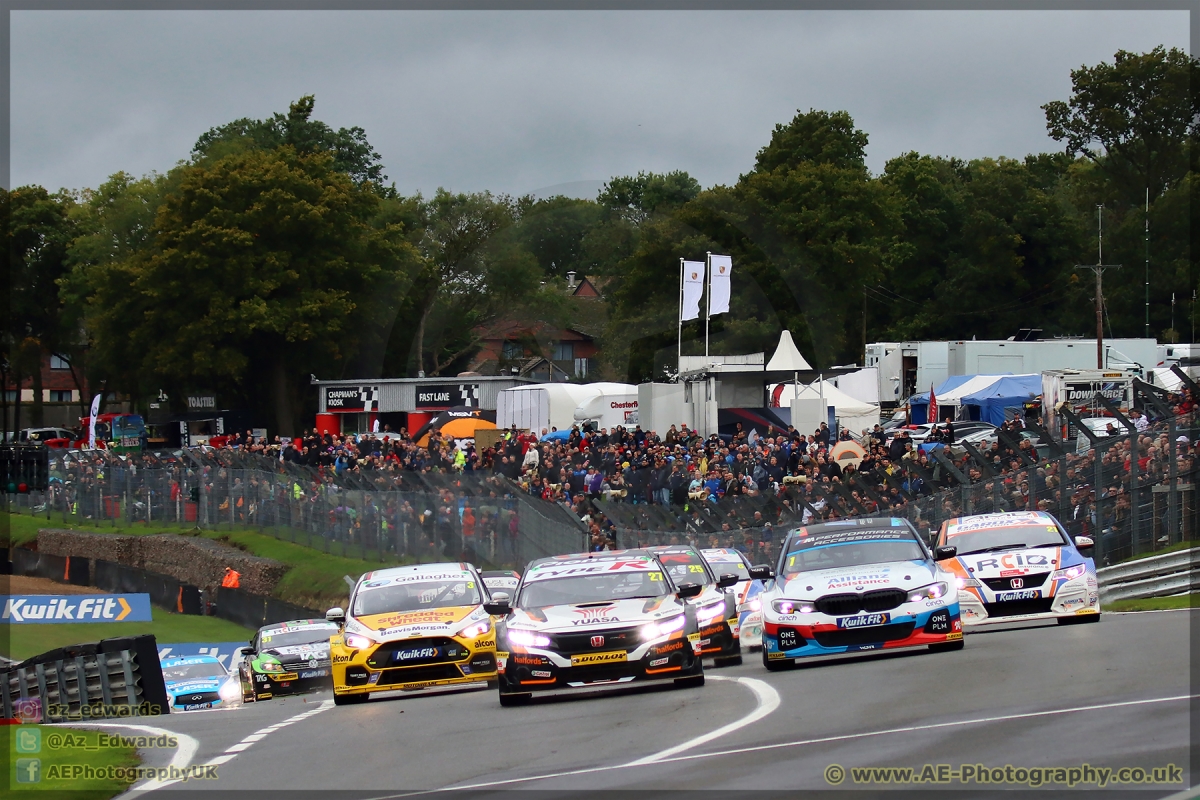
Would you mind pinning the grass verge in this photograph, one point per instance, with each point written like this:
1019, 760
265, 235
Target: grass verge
1155, 603
1169, 549
19, 642
37, 766
313, 580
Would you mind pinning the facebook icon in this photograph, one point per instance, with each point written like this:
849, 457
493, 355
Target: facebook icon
29, 770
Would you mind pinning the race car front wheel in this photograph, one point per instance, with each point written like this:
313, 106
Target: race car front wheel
776, 665
1081, 620
729, 661
690, 681
349, 699
519, 699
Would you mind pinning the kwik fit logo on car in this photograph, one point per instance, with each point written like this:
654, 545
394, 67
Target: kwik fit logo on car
864, 621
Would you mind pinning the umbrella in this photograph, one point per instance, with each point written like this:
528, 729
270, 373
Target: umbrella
557, 436
460, 423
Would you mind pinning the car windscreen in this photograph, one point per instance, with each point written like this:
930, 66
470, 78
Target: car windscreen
574, 589
309, 634
733, 566
849, 548
684, 567
180, 672
416, 596
1013, 537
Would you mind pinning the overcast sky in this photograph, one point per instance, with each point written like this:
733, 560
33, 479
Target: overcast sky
520, 101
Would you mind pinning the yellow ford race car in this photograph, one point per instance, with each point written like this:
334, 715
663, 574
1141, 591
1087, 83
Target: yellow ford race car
412, 628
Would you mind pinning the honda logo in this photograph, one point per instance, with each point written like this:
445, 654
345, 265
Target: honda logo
597, 641
1017, 583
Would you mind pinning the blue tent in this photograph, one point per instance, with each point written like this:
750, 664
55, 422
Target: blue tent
919, 403
1009, 392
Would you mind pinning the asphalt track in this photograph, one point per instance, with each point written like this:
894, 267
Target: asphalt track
1113, 694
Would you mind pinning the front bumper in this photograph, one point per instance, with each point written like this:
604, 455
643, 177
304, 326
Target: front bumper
721, 638
811, 635
382, 668
1056, 600
296, 680
531, 669
750, 628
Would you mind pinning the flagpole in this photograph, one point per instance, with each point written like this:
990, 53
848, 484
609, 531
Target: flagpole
679, 345
708, 296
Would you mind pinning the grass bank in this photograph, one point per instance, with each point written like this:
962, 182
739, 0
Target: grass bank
41, 755
1155, 603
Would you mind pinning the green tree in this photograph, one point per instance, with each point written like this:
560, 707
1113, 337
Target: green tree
265, 266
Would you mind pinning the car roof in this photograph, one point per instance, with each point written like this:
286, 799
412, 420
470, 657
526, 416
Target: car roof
499, 573
873, 523
418, 569
295, 623
670, 548
1003, 519
178, 661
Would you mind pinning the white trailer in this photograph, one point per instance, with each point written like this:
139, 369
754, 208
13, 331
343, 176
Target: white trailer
906, 368
616, 404
1078, 388
541, 407
997, 357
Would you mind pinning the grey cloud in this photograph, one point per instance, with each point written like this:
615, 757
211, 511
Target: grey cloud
519, 101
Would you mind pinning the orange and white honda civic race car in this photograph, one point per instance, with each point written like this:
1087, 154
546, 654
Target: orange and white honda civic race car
411, 628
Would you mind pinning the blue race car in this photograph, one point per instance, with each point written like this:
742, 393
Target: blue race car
198, 682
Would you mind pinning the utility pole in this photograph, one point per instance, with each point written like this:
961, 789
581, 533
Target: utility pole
1098, 269
1147, 263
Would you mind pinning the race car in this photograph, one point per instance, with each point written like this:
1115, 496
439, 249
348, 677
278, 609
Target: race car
412, 628
198, 682
596, 619
856, 586
745, 593
500, 580
716, 609
1019, 566
286, 658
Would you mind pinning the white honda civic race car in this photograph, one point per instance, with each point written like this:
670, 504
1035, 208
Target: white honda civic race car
1019, 566
596, 619
746, 592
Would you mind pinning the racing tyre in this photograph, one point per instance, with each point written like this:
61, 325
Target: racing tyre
731, 661
690, 681
945, 647
1079, 620
349, 699
519, 699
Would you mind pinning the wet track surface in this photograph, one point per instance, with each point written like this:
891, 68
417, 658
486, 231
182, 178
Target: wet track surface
1109, 694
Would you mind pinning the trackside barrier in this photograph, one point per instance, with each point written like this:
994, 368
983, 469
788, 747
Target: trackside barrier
110, 678
253, 610
165, 591
1156, 576
63, 569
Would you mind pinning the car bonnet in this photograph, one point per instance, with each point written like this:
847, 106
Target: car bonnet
865, 578
585, 616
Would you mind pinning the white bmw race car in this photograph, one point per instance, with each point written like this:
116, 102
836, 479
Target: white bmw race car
1020, 566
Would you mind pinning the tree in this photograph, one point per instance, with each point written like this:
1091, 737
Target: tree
348, 147
1143, 113
265, 265
39, 233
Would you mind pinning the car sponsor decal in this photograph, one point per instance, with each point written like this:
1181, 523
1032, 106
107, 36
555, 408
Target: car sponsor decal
417, 577
881, 576
296, 627
1028, 594
1013, 561
787, 639
438, 617
863, 620
594, 616
314, 673
995, 521
540, 673
587, 659
589, 567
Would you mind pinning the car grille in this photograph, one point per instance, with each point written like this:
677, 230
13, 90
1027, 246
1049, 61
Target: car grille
434, 672
447, 651
1005, 584
619, 639
1014, 608
197, 697
840, 605
857, 636
601, 672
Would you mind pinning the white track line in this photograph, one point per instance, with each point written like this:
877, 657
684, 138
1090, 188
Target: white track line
768, 701
184, 752
799, 743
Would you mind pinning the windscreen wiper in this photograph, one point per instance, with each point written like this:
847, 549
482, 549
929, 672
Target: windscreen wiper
995, 549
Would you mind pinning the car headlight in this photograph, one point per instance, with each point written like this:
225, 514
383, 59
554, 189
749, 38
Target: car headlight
707, 614
966, 583
1071, 572
230, 690
753, 605
527, 638
663, 627
793, 606
478, 629
356, 641
270, 666
934, 591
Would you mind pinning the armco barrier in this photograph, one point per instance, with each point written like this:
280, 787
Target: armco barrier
64, 569
164, 591
111, 678
254, 611
1155, 576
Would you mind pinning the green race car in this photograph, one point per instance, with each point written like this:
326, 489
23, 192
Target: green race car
287, 658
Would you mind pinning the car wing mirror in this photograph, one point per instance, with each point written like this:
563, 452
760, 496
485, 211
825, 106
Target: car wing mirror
1084, 542
761, 572
336, 615
687, 590
944, 552
498, 607
725, 581
500, 597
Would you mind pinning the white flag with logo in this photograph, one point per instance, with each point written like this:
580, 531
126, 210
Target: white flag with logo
718, 284
693, 289
92, 423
